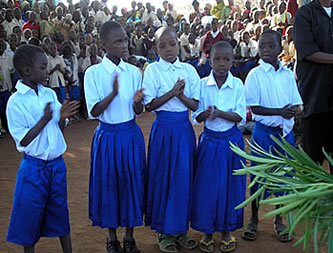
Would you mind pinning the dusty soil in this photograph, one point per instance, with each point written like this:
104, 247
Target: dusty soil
88, 239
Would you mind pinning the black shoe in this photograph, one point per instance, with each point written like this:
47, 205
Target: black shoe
113, 246
130, 246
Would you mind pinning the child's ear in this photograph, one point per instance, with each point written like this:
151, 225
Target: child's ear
26, 71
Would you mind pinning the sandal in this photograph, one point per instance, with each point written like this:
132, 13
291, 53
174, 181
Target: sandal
185, 241
279, 229
113, 246
250, 232
206, 246
164, 242
228, 246
129, 246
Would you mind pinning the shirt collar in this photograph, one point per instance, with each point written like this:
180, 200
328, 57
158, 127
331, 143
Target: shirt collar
227, 83
166, 65
111, 67
269, 67
23, 88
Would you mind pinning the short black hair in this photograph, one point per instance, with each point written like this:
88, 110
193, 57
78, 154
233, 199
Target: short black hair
24, 56
34, 41
220, 45
276, 34
163, 30
107, 27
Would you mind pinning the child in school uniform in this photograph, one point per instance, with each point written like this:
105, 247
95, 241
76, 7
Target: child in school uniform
92, 58
36, 120
57, 70
113, 93
171, 89
216, 191
271, 92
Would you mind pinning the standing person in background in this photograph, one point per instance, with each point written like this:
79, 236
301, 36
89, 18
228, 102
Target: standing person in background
314, 69
212, 37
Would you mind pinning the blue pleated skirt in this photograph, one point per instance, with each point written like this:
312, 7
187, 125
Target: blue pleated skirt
169, 178
261, 136
116, 187
216, 191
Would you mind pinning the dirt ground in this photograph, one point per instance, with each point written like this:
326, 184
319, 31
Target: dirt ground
88, 239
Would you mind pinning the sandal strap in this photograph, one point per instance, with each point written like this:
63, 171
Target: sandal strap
207, 244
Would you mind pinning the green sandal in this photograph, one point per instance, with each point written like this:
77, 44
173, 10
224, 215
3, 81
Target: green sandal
185, 241
206, 246
165, 241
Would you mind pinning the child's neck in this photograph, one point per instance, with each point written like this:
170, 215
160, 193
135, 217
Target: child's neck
33, 85
275, 64
220, 80
114, 59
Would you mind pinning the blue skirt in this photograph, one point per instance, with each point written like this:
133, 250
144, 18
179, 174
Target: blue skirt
170, 173
40, 201
261, 136
116, 175
74, 92
217, 192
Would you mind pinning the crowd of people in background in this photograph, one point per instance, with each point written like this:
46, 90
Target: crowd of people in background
70, 36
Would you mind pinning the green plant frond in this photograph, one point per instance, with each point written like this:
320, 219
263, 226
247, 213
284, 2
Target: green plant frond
284, 209
249, 200
328, 157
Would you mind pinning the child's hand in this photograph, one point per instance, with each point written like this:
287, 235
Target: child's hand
48, 112
215, 113
206, 114
115, 85
181, 94
138, 96
288, 111
178, 88
68, 109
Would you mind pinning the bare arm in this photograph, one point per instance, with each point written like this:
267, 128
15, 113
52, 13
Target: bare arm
320, 57
286, 112
189, 103
101, 106
35, 131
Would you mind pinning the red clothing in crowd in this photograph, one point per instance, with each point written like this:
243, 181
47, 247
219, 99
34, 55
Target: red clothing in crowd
292, 7
28, 25
209, 41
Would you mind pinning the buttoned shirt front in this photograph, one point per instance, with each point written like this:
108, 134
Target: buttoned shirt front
98, 84
229, 98
24, 109
160, 77
272, 89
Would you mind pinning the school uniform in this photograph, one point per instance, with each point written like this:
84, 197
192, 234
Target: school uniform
72, 67
272, 89
40, 199
118, 149
57, 80
217, 192
171, 149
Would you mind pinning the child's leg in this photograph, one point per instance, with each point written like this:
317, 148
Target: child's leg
66, 243
112, 243
129, 244
228, 242
279, 227
250, 232
206, 243
29, 249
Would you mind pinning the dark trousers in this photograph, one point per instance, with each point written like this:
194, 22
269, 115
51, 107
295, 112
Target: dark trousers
318, 134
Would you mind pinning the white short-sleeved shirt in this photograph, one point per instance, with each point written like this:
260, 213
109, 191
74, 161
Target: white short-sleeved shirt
272, 89
184, 42
98, 84
160, 77
24, 109
56, 76
229, 98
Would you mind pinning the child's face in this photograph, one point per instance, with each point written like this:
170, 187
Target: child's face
93, 50
89, 39
139, 31
53, 49
9, 16
2, 46
151, 33
17, 30
13, 41
191, 38
168, 47
27, 35
269, 48
35, 33
151, 55
39, 71
221, 61
133, 61
246, 38
116, 43
214, 25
